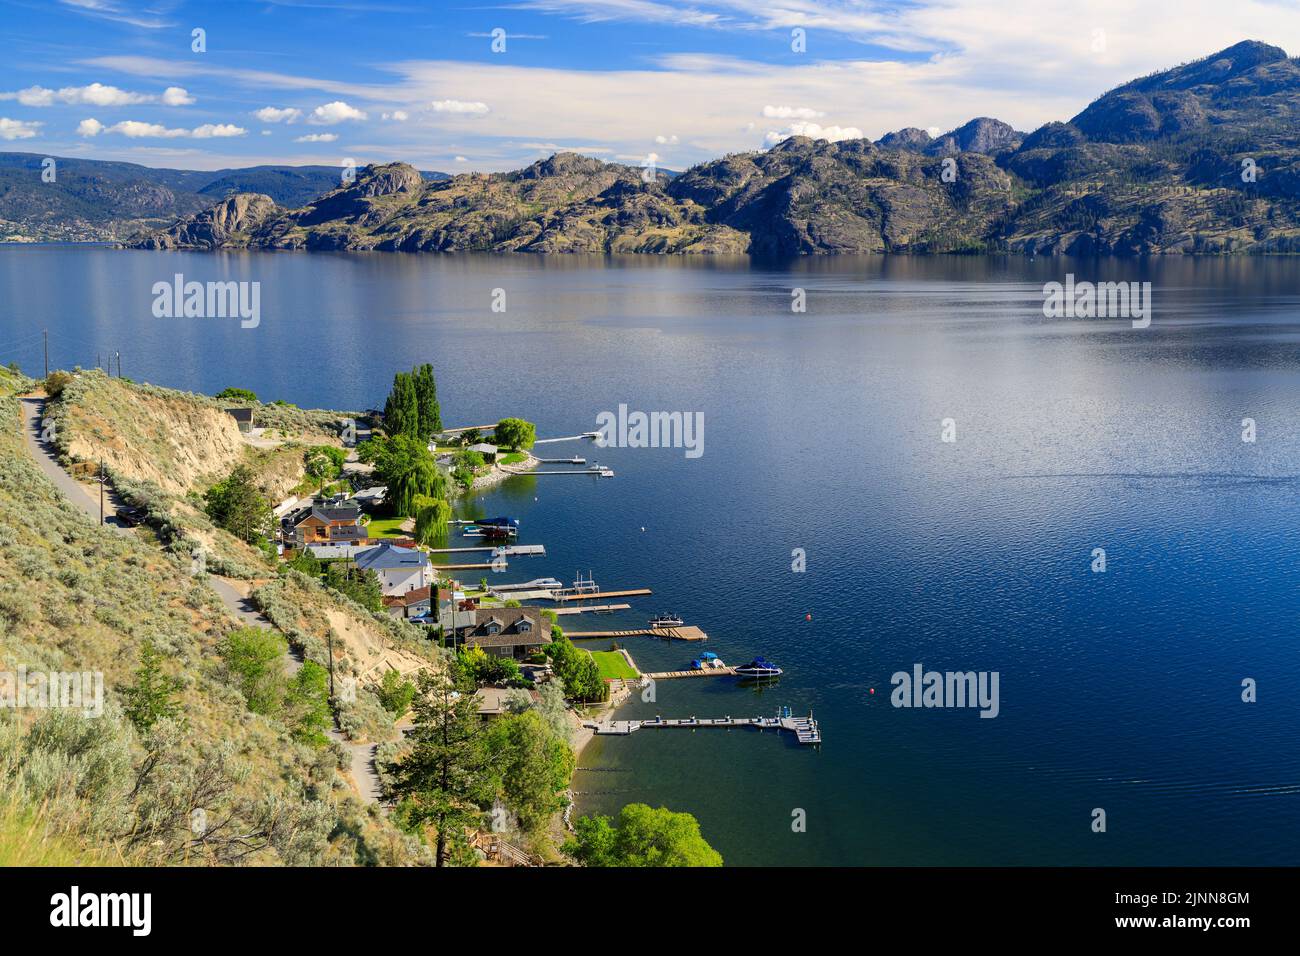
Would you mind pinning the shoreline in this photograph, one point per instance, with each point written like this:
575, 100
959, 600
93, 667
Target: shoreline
500, 473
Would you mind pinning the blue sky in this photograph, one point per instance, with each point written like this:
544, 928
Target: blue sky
324, 81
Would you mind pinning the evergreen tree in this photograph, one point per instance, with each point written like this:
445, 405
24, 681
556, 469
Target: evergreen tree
149, 699
426, 393
236, 505
442, 780
402, 410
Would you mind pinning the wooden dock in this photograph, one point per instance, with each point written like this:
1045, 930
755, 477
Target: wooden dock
469, 567
702, 672
562, 461
594, 595
805, 729
686, 633
561, 611
509, 550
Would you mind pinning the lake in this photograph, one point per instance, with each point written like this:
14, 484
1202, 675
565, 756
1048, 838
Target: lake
1119, 690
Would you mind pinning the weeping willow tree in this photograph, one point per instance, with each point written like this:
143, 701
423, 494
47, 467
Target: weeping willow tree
432, 516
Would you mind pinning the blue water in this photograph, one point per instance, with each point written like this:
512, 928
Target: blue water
1119, 691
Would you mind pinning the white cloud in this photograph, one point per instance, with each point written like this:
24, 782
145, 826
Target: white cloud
18, 129
96, 94
217, 130
397, 116
459, 106
176, 96
272, 114
135, 129
791, 112
317, 138
934, 131
666, 140
461, 159
831, 134
336, 112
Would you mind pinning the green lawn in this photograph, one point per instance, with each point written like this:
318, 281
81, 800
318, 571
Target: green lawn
514, 458
612, 664
386, 528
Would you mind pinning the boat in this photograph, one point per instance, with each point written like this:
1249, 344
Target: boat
497, 527
707, 661
759, 667
666, 620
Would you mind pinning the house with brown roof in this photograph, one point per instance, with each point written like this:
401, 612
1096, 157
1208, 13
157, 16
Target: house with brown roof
504, 631
331, 521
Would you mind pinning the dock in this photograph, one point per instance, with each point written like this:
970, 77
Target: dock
805, 729
469, 567
561, 611
507, 550
562, 461
595, 472
693, 672
551, 441
592, 595
685, 633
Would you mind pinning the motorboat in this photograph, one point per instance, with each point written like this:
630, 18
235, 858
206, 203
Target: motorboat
666, 620
759, 667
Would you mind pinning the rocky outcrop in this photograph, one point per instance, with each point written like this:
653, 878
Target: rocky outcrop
227, 225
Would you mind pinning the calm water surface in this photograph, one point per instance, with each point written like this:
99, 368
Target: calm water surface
1119, 690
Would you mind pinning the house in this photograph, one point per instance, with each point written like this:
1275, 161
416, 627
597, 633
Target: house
505, 631
399, 569
495, 701
416, 603
329, 521
243, 418
489, 452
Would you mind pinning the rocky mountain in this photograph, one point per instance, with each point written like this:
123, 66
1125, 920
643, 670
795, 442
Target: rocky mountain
94, 199
1202, 158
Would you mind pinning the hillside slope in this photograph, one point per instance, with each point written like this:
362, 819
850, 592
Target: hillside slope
79, 597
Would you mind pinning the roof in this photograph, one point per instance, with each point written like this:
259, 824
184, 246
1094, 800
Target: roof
508, 618
241, 414
483, 448
410, 598
387, 557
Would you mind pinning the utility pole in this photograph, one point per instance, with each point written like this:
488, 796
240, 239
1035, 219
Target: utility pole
47, 352
330, 639
101, 491
119, 365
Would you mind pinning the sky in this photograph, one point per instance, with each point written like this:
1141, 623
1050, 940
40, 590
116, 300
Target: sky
463, 85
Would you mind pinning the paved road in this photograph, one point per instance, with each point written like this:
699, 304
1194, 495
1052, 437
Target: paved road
245, 611
47, 460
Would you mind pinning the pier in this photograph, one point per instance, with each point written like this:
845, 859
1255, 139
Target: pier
598, 608
551, 441
597, 472
509, 550
694, 672
562, 461
684, 633
805, 729
591, 595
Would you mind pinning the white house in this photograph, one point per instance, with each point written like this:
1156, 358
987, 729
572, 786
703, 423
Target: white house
399, 569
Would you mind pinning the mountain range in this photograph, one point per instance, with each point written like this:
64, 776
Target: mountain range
1201, 158
95, 199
